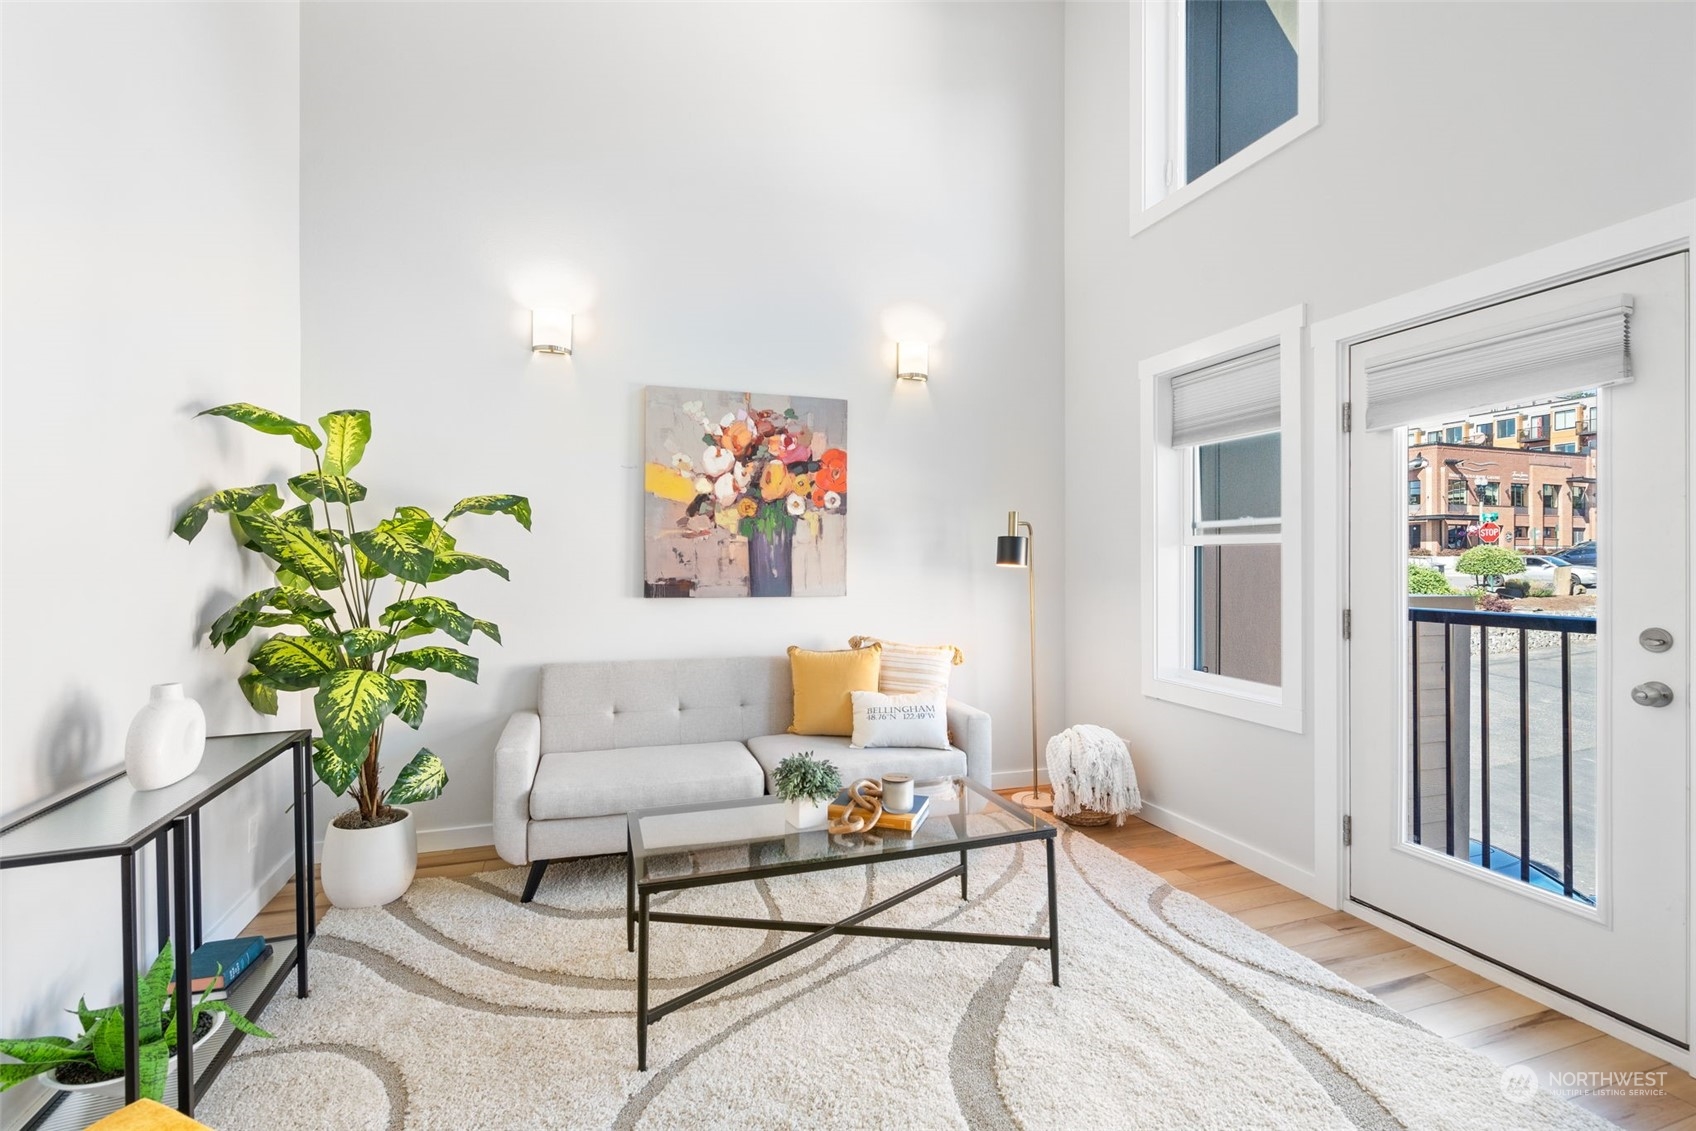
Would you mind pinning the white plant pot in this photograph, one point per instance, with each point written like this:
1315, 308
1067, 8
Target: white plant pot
369, 867
808, 845
804, 813
166, 739
116, 1084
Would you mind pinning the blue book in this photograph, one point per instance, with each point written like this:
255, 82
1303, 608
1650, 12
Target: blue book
219, 965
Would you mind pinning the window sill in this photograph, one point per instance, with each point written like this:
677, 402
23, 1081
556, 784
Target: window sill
1234, 698
1252, 155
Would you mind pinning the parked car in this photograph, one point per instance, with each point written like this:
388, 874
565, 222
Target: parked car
1583, 554
1540, 570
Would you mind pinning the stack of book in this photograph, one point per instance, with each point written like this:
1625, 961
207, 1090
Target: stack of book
907, 823
219, 966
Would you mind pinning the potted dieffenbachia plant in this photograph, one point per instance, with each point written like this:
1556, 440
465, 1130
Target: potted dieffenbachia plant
354, 609
808, 785
93, 1061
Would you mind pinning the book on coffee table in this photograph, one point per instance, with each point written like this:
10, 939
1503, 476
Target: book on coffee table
894, 822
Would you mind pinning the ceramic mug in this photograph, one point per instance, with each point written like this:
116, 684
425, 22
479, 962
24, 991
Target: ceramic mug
898, 793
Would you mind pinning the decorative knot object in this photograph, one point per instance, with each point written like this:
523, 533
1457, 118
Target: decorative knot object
865, 807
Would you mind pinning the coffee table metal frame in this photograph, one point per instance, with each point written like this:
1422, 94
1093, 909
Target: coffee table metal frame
639, 916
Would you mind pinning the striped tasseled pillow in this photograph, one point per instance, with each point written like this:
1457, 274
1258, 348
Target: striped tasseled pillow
911, 667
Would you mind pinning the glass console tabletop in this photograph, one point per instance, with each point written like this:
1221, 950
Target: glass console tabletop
691, 845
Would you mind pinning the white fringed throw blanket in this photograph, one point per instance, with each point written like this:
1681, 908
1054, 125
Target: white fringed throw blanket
1090, 767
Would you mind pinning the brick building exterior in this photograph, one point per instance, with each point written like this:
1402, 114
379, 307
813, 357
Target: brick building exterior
1534, 468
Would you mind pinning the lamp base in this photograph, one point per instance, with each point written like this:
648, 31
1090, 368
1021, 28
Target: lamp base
1035, 799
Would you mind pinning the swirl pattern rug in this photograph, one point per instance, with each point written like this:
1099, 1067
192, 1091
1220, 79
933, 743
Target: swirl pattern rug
458, 1007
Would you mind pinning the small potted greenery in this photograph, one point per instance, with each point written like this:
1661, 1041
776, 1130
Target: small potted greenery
94, 1061
808, 785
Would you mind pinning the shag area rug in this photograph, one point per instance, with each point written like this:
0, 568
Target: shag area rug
458, 1007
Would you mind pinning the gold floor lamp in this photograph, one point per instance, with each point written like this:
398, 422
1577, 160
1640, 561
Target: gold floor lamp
1017, 551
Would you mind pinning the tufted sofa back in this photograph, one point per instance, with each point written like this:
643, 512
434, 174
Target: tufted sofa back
613, 704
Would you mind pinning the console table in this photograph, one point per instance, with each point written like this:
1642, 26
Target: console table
110, 819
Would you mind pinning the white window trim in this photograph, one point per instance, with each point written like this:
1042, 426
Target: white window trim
1158, 40
1166, 489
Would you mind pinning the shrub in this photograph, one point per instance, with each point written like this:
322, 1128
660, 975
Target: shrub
802, 775
1423, 580
1488, 562
1542, 590
1490, 603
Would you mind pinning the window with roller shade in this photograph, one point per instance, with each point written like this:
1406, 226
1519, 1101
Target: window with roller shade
1222, 495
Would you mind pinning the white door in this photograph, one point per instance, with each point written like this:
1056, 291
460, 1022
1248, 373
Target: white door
1458, 715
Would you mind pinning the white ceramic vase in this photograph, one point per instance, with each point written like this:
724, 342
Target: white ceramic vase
805, 813
369, 867
166, 739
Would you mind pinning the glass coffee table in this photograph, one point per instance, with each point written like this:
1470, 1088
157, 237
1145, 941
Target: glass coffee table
683, 846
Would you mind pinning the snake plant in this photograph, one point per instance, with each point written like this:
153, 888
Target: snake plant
352, 604
100, 1045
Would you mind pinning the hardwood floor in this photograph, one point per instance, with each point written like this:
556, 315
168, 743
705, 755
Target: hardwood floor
1476, 1012
1456, 1003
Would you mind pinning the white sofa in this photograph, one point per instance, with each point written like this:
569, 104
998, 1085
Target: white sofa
611, 736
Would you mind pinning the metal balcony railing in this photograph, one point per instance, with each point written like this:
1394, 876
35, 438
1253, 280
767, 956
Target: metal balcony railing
1443, 643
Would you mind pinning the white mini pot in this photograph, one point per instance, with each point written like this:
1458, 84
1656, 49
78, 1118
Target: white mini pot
166, 739
369, 867
805, 813
116, 1084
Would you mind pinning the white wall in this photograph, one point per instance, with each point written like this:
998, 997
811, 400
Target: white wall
736, 195
1453, 136
151, 268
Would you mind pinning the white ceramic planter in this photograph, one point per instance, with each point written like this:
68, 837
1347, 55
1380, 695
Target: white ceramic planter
166, 739
116, 1084
369, 867
803, 813
808, 845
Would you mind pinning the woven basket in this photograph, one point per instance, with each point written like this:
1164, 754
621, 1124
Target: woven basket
1087, 818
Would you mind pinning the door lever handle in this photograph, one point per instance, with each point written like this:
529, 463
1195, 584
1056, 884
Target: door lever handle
1651, 694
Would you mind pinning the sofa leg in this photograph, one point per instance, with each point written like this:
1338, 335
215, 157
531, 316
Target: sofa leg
537, 868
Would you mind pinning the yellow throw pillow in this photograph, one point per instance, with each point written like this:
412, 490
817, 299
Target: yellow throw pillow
911, 667
823, 681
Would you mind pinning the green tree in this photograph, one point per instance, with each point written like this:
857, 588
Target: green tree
350, 648
1490, 564
1426, 582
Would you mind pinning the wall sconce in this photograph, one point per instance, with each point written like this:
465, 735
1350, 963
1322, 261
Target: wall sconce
550, 331
912, 361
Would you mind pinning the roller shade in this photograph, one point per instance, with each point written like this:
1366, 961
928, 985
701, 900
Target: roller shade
1239, 397
1581, 348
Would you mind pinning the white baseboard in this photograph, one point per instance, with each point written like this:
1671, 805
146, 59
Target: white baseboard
1258, 860
251, 902
1501, 975
462, 836
1014, 779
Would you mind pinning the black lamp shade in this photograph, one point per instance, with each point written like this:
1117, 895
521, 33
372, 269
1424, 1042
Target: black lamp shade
1012, 550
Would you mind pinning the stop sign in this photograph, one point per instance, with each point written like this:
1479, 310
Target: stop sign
1489, 533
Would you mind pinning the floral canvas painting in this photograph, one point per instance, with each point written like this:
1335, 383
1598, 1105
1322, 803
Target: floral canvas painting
746, 495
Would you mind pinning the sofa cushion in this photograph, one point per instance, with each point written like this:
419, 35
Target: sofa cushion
905, 668
822, 681
596, 783
924, 765
607, 704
